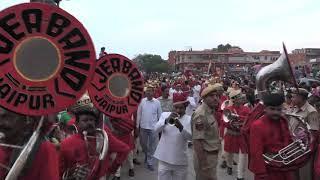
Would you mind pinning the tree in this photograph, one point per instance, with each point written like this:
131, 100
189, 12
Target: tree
224, 48
151, 63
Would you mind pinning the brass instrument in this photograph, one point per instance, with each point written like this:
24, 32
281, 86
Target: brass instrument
231, 117
297, 149
295, 154
172, 121
279, 70
102, 145
22, 159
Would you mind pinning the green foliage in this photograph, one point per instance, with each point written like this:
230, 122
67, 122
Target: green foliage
224, 48
151, 63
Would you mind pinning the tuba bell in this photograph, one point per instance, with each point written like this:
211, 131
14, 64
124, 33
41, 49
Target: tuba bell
297, 153
280, 70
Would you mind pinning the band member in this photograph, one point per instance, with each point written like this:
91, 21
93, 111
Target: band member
43, 162
268, 135
218, 116
123, 130
205, 136
233, 140
310, 114
165, 101
79, 155
148, 114
172, 148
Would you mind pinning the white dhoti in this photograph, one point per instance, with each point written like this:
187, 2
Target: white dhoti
172, 172
242, 164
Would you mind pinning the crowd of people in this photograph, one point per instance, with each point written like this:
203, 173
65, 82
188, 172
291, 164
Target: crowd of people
272, 134
216, 116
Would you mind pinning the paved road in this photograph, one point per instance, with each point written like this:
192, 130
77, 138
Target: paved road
143, 174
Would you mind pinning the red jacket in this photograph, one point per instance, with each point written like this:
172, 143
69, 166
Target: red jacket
74, 151
45, 164
268, 136
219, 116
234, 142
116, 146
124, 127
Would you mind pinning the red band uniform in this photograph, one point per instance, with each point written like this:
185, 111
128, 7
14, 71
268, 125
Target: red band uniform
268, 136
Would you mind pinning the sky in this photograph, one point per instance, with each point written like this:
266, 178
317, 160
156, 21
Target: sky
132, 27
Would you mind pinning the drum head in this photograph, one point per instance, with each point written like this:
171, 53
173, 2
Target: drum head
47, 59
117, 86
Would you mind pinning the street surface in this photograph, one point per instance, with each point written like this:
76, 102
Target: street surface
141, 173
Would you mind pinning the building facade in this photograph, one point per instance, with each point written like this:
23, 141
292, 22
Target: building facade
212, 61
305, 56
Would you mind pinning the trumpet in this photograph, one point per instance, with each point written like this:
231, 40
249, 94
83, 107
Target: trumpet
172, 121
232, 118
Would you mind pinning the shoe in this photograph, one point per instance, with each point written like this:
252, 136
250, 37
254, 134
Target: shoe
136, 162
229, 170
150, 167
224, 164
131, 173
240, 178
234, 163
116, 178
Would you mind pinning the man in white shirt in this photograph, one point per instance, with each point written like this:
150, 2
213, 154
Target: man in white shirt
171, 91
148, 115
172, 149
196, 92
165, 101
192, 104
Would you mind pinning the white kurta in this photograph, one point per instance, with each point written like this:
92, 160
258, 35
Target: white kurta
196, 92
173, 144
192, 106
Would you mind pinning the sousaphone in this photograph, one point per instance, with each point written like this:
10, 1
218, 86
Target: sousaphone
297, 153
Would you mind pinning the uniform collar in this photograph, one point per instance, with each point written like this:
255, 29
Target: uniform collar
304, 107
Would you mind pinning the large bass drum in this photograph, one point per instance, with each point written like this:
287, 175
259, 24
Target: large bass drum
47, 60
117, 86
